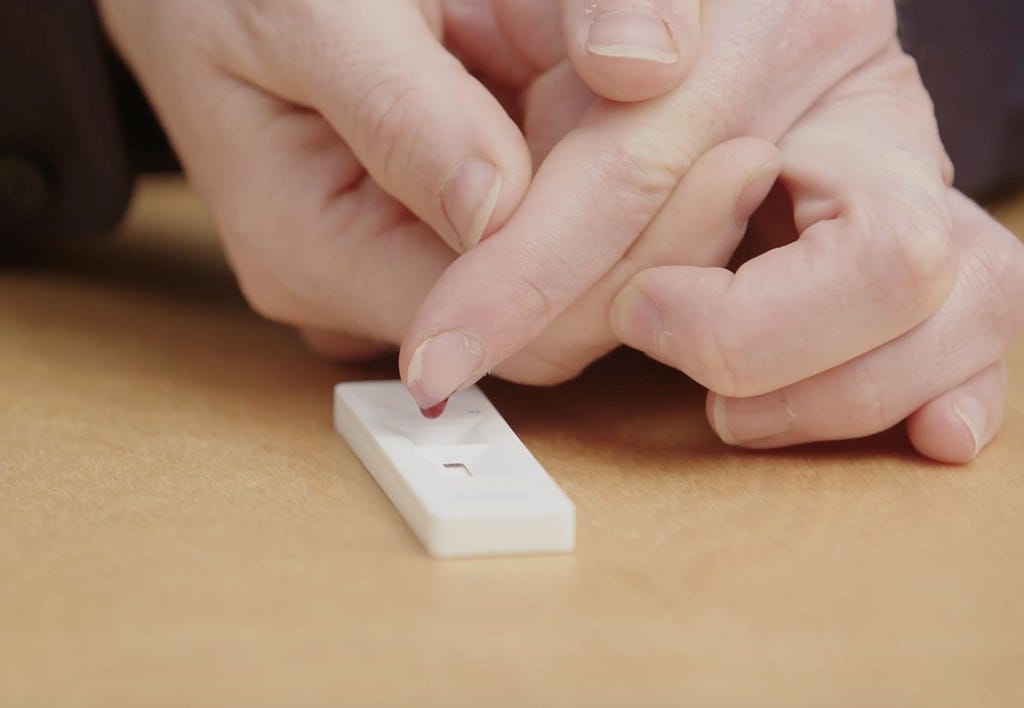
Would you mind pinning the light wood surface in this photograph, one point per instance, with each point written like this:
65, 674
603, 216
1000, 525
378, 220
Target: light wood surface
179, 525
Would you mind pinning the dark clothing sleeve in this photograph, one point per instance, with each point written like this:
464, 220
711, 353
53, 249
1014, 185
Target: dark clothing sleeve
63, 165
74, 128
971, 57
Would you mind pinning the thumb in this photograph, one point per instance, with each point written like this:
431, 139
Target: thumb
426, 130
631, 51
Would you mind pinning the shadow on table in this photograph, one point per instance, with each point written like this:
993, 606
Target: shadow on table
628, 401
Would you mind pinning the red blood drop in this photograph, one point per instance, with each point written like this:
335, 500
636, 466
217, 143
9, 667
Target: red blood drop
434, 411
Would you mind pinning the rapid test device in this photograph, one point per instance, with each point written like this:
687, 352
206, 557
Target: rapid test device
464, 482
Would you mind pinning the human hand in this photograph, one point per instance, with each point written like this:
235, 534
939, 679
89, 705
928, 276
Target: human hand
863, 166
945, 377
312, 130
279, 111
354, 280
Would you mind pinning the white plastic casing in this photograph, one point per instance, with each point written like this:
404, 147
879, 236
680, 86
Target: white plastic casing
464, 482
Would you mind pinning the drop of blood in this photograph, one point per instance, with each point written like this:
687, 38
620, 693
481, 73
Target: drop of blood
434, 411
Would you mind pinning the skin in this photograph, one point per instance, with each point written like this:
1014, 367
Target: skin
331, 142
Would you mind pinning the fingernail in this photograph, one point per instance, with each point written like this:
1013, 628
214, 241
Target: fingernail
740, 421
637, 321
442, 365
973, 414
632, 33
468, 197
755, 190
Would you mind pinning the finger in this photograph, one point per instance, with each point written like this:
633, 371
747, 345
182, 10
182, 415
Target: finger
427, 131
874, 258
600, 187
881, 388
533, 29
630, 51
700, 224
958, 425
553, 105
473, 32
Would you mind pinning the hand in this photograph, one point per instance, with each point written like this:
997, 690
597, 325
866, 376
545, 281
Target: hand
945, 376
309, 129
312, 130
863, 167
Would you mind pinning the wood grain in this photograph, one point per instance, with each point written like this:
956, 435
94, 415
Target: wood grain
180, 525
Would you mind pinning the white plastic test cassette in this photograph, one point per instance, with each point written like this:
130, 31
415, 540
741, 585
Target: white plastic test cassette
464, 482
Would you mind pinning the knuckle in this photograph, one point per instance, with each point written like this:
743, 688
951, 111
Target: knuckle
642, 171
924, 254
387, 115
288, 29
199, 28
915, 262
260, 20
542, 295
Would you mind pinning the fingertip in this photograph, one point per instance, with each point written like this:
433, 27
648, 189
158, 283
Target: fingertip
668, 313
480, 193
469, 197
427, 131
944, 434
766, 163
443, 363
714, 409
955, 427
626, 51
533, 30
635, 320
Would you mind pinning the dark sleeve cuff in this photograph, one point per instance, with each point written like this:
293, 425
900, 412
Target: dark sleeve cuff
972, 61
64, 168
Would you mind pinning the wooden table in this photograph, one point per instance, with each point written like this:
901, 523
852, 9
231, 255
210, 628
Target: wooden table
179, 525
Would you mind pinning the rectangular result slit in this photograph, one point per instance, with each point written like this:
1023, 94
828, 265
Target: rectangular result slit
458, 467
